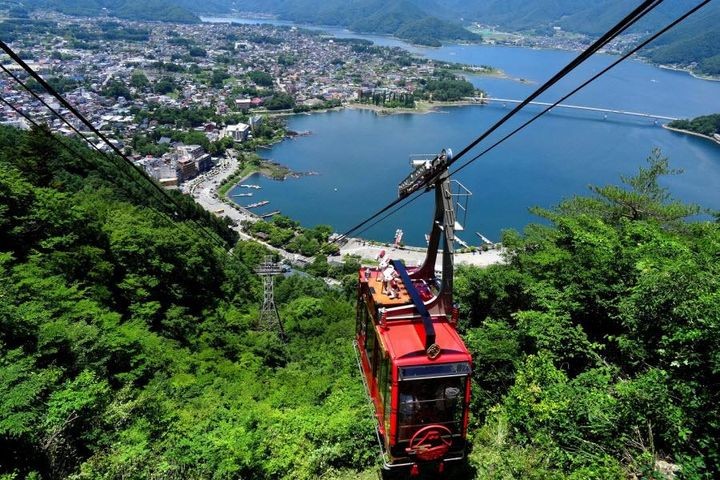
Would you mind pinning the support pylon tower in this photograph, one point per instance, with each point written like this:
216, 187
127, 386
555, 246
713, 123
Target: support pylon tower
269, 318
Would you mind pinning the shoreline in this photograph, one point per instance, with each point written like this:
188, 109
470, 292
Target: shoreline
688, 132
267, 18
698, 76
366, 249
421, 109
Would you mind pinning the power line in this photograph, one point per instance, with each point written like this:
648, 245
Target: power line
643, 9
391, 213
430, 180
9, 51
76, 152
121, 166
586, 83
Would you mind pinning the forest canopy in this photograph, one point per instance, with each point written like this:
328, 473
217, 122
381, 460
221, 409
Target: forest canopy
129, 346
705, 125
596, 345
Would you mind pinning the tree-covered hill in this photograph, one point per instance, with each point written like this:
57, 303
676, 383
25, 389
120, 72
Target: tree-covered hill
694, 43
127, 340
153, 10
401, 18
707, 125
128, 346
596, 346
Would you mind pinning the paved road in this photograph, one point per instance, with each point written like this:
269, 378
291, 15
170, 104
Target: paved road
204, 190
415, 256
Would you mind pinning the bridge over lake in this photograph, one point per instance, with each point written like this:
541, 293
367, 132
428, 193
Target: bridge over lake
580, 107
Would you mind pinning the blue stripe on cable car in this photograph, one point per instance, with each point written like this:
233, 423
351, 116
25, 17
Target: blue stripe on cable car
417, 301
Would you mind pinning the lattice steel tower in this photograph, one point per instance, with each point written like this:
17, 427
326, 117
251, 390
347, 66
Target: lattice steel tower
269, 318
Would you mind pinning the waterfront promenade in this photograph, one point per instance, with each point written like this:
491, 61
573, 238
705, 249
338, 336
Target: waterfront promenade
204, 191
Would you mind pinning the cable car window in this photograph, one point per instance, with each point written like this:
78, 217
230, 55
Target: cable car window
362, 319
376, 358
440, 401
383, 378
437, 370
386, 386
369, 343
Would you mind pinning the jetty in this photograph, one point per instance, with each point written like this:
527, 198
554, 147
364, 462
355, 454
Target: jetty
257, 204
484, 238
268, 215
461, 242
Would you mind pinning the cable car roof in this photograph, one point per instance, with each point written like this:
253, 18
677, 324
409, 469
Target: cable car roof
404, 344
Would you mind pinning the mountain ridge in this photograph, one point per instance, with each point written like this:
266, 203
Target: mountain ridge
693, 44
158, 10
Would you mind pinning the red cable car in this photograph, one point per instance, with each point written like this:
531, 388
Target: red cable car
414, 364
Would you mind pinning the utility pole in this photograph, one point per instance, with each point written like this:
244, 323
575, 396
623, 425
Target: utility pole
269, 318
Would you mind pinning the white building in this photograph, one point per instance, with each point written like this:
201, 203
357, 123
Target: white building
238, 132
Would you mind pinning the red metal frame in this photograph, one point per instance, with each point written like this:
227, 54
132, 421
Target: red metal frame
398, 336
416, 328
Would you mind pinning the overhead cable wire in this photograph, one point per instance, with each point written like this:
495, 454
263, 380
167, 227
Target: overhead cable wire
389, 214
550, 107
586, 83
169, 221
67, 122
121, 166
638, 13
67, 146
14, 56
605, 70
643, 9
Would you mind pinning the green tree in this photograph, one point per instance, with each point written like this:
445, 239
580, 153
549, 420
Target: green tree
262, 79
280, 101
590, 338
165, 85
115, 89
139, 80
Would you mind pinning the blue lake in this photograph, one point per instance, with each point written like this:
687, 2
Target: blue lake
360, 157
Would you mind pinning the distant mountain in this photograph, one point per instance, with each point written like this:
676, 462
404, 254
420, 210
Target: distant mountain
583, 16
158, 10
401, 18
694, 43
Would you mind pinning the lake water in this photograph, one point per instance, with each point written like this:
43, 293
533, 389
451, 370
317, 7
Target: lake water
360, 157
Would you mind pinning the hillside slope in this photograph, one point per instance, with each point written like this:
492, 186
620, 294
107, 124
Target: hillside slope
153, 10
596, 346
693, 43
128, 346
395, 17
